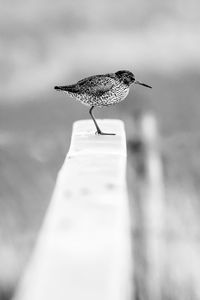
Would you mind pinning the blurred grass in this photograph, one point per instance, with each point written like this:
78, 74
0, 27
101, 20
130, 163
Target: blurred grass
166, 254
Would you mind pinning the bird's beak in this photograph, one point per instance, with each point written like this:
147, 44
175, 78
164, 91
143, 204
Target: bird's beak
144, 84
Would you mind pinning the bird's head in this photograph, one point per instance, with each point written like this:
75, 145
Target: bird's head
128, 78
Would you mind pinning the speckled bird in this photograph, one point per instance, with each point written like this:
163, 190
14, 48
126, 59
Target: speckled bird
101, 90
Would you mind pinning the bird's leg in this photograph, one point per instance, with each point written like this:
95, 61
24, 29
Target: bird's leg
95, 122
96, 125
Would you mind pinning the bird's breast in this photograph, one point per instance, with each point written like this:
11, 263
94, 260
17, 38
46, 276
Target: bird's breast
117, 94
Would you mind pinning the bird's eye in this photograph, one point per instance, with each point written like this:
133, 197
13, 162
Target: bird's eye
125, 80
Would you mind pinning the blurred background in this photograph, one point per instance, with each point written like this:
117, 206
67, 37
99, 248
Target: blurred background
45, 43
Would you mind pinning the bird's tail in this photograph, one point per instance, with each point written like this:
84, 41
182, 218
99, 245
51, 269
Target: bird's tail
68, 88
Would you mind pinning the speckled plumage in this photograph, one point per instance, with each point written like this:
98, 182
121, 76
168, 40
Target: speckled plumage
101, 90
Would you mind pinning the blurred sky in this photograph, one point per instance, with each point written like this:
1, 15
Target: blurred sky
44, 42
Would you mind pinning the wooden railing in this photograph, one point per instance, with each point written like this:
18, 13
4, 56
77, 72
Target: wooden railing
97, 242
84, 247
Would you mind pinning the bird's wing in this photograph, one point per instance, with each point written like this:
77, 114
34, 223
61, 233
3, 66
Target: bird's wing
95, 85
68, 88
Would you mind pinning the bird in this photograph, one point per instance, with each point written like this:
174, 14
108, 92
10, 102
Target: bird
101, 90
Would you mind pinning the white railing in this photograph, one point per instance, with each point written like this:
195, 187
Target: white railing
84, 247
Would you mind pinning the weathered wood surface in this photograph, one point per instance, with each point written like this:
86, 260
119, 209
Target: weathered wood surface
84, 248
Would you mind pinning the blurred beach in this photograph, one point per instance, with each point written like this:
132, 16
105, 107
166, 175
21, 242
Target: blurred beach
46, 43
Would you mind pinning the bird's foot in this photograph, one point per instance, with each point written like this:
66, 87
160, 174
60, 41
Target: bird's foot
104, 133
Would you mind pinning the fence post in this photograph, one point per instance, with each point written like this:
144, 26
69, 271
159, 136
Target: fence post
84, 247
149, 209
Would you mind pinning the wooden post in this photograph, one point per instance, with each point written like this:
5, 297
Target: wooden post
84, 247
148, 198
153, 203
